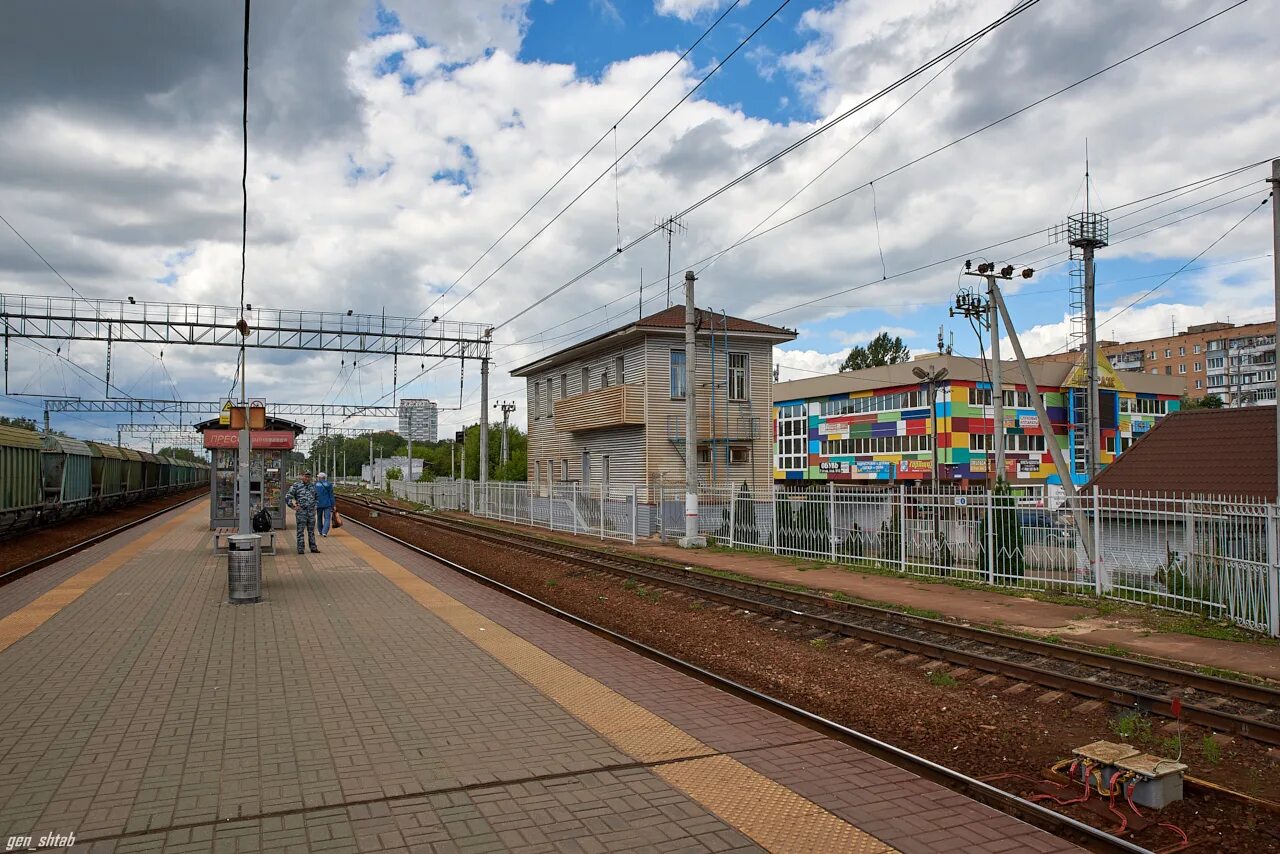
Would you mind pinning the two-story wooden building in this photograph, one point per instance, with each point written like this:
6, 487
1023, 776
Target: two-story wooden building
610, 410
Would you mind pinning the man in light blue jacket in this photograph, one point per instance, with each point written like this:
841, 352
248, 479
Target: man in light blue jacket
324, 504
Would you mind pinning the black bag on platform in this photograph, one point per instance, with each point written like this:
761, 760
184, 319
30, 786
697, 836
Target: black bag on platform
262, 521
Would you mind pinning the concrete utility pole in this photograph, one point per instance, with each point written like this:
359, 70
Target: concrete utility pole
1050, 438
484, 411
932, 379
997, 387
371, 471
691, 538
1091, 344
1275, 261
507, 408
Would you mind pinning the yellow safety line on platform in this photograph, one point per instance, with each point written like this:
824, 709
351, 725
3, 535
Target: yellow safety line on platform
33, 615
768, 812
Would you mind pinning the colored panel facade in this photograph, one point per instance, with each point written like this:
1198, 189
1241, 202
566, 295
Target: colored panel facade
887, 435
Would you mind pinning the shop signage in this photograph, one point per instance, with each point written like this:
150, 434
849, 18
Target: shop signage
259, 440
875, 468
1029, 466
828, 428
1025, 421
833, 466
915, 465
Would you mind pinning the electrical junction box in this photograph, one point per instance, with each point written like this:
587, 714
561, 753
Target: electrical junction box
1106, 753
1159, 780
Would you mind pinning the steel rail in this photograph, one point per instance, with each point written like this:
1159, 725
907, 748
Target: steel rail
1063, 826
17, 572
697, 583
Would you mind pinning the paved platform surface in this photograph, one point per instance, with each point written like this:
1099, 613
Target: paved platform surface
377, 701
1082, 622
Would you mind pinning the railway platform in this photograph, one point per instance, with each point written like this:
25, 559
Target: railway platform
377, 700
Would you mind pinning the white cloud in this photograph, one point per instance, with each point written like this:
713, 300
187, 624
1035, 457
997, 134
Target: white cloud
798, 364
385, 202
686, 10
861, 337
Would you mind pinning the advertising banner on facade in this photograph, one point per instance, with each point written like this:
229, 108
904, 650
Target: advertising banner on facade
259, 440
878, 469
1028, 466
915, 465
833, 430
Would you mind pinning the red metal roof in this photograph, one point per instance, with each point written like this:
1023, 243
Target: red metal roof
1201, 452
673, 318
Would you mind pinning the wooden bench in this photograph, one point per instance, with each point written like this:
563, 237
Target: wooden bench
220, 535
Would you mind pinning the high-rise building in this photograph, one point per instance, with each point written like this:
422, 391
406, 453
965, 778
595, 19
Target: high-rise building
1237, 363
419, 420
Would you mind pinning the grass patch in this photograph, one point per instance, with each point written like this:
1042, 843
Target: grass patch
819, 643
942, 680
1116, 651
1132, 726
551, 582
1210, 750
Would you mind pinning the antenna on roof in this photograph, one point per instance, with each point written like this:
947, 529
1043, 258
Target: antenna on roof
671, 225
940, 339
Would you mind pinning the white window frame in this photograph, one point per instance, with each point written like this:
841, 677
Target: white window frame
739, 378
619, 365
677, 379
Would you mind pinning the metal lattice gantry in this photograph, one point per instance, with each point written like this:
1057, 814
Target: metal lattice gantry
75, 319
204, 407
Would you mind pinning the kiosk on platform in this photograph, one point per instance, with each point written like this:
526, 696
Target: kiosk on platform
270, 441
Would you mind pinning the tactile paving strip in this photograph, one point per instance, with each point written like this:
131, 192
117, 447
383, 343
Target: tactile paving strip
30, 617
768, 812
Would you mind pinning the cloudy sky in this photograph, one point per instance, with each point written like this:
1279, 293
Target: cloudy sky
390, 144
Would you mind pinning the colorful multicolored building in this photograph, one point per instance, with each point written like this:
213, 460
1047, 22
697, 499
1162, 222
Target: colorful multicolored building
875, 425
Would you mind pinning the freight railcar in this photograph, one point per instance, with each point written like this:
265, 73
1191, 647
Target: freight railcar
21, 486
67, 468
108, 467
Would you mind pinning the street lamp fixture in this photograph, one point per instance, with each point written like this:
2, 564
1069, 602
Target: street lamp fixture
932, 378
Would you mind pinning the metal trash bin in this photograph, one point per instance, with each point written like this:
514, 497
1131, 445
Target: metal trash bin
244, 568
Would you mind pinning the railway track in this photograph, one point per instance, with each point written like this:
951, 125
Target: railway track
1224, 705
31, 566
1085, 835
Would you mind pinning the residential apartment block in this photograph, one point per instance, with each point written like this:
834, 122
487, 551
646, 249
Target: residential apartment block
879, 425
419, 419
1237, 363
611, 410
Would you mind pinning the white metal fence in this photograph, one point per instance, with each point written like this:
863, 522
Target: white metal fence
1213, 556
595, 510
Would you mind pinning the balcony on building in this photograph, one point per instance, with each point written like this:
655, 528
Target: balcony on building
1130, 361
612, 406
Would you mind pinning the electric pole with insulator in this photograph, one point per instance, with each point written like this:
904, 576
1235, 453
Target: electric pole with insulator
507, 408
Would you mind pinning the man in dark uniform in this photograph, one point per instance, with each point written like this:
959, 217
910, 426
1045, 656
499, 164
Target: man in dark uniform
302, 498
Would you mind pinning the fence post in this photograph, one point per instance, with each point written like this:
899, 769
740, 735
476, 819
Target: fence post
831, 519
902, 527
733, 516
991, 537
635, 512
603, 490
573, 506
1100, 587
1273, 570
531, 492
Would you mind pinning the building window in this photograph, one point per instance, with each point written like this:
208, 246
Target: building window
875, 403
604, 379
1196, 349
1126, 404
1153, 354
1017, 398
739, 455
1182, 369
1214, 345
1168, 370
1182, 351
793, 437
979, 442
604, 468
704, 455
617, 370
1168, 352
585, 382
1219, 362
1199, 383
677, 374
564, 470
1197, 367
1155, 370
537, 471
564, 386
1024, 442
537, 400
738, 372
980, 396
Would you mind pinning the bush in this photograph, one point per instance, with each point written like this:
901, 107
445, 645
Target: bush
802, 525
1009, 559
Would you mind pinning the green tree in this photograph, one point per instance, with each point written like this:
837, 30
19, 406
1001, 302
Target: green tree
1209, 401
179, 454
20, 423
1006, 537
517, 466
394, 474
882, 350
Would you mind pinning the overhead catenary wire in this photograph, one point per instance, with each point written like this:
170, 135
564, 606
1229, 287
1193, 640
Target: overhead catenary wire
751, 35
906, 165
612, 129
788, 149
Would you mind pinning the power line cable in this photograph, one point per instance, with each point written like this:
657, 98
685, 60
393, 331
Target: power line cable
619, 250
900, 168
788, 149
612, 129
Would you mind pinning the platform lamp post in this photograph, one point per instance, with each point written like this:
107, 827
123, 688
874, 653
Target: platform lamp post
931, 379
